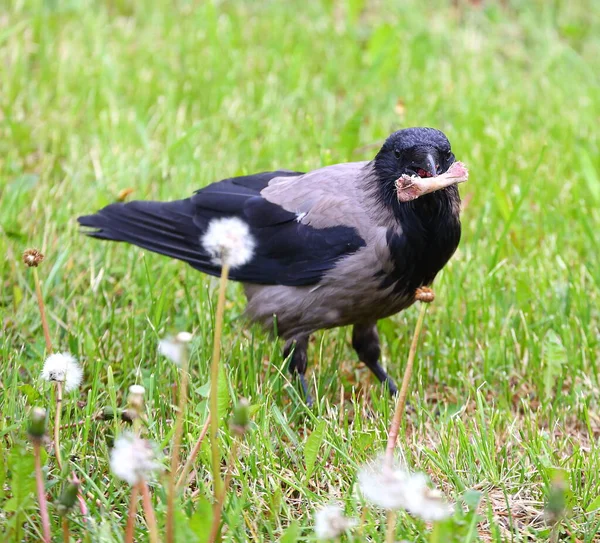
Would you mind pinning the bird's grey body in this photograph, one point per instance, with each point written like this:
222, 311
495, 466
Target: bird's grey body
349, 294
332, 247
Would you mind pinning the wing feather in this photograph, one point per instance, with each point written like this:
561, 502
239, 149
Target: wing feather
287, 251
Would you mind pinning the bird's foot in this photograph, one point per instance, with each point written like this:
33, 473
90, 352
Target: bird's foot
391, 386
307, 396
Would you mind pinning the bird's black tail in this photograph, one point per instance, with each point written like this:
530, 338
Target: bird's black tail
167, 228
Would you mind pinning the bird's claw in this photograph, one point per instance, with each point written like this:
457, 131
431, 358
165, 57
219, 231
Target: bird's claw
307, 397
392, 388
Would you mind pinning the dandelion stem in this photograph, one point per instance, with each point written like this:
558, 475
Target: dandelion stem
41, 491
214, 530
436, 533
214, 382
131, 513
362, 521
149, 512
57, 415
193, 454
341, 414
401, 403
177, 446
65, 529
40, 300
391, 527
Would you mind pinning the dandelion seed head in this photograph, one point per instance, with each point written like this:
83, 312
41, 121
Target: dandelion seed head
425, 295
64, 368
228, 241
383, 485
135, 400
32, 258
184, 337
137, 390
392, 488
175, 348
38, 414
424, 502
133, 459
330, 522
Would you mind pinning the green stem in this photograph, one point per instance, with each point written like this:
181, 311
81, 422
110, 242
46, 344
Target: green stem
436, 532
131, 513
57, 415
41, 491
214, 382
391, 527
176, 447
472, 529
40, 300
401, 403
149, 512
362, 521
193, 454
65, 529
214, 530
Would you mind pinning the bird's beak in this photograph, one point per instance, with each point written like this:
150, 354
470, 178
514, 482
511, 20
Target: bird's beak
431, 167
426, 167
425, 164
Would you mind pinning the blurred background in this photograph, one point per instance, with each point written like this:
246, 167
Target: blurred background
164, 97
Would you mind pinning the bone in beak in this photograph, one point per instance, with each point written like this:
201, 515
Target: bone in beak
412, 187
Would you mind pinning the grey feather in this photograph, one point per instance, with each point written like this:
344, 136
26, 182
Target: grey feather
332, 196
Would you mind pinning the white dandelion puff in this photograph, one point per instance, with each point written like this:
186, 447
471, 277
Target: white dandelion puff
392, 488
137, 390
133, 459
228, 241
135, 400
64, 368
424, 502
383, 485
330, 522
184, 337
175, 348
136, 396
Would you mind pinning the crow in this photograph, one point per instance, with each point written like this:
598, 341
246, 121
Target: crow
332, 247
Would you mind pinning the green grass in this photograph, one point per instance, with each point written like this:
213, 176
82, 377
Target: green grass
166, 97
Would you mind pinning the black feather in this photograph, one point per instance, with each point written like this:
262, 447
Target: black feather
430, 229
430, 234
286, 251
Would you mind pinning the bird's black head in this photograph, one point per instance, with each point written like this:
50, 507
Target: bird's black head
413, 151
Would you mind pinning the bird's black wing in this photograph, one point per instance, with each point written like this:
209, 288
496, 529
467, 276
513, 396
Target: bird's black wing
286, 252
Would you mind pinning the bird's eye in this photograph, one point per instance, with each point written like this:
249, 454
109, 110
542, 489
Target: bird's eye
397, 153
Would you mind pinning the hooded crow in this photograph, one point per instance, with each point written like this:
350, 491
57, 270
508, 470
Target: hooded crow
332, 247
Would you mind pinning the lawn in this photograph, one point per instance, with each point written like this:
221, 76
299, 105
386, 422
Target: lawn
164, 97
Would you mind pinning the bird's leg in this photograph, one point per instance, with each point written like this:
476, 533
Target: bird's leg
297, 347
365, 341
